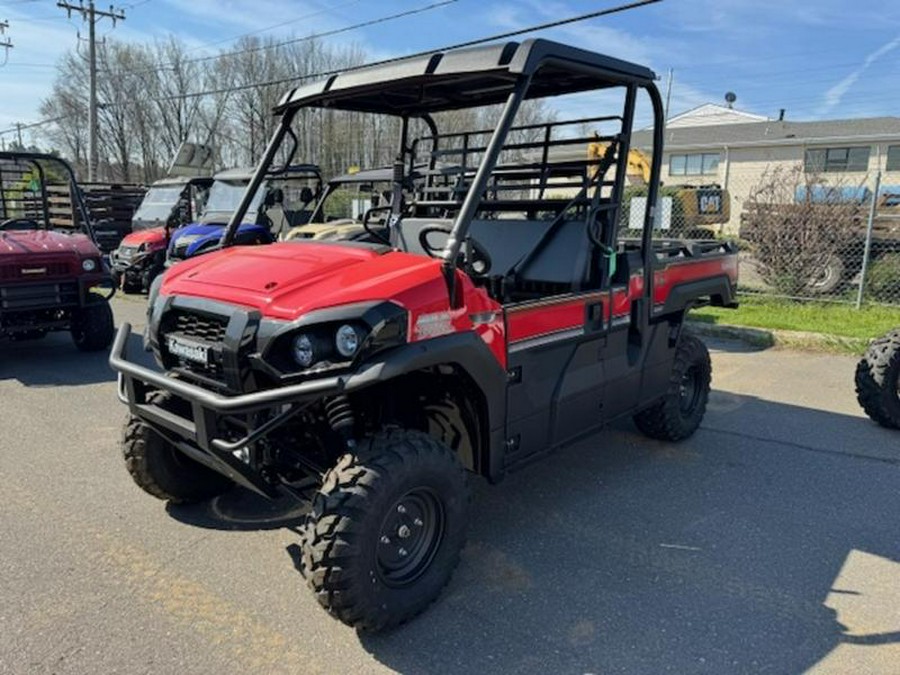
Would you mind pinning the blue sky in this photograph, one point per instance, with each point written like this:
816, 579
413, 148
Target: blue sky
816, 58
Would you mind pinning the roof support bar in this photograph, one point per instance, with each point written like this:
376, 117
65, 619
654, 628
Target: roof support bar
479, 184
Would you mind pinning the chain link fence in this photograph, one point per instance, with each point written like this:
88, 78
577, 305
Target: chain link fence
802, 235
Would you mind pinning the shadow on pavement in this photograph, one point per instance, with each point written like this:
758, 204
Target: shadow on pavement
726, 553
241, 509
55, 361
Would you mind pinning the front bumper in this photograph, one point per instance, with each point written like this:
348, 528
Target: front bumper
198, 437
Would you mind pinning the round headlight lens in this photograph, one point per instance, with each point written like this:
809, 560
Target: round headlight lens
303, 351
347, 341
88, 264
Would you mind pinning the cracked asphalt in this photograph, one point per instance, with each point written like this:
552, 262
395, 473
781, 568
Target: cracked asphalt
767, 543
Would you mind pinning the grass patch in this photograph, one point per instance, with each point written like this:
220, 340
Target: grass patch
812, 317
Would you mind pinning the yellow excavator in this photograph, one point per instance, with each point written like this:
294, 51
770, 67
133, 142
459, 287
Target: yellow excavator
698, 210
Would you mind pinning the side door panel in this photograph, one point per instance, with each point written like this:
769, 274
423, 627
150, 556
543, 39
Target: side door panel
556, 373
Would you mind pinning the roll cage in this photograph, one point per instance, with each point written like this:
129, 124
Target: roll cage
14, 166
492, 174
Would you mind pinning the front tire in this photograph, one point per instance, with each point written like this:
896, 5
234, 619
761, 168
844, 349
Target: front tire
161, 470
92, 326
678, 415
878, 381
386, 529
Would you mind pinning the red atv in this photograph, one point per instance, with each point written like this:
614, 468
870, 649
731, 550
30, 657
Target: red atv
48, 277
494, 316
168, 204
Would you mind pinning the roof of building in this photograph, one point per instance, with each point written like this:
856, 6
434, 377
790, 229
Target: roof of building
710, 114
775, 132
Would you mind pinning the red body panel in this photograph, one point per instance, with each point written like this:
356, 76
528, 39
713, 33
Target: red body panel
16, 243
30, 256
692, 270
288, 280
542, 318
154, 238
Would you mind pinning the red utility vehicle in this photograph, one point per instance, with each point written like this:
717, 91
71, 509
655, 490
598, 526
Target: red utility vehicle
170, 203
495, 315
48, 276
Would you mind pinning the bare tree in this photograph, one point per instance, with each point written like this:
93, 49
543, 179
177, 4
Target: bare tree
799, 225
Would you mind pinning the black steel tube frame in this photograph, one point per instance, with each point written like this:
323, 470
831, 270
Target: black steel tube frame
35, 158
470, 205
659, 121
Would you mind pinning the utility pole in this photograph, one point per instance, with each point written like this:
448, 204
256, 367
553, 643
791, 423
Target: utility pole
19, 135
90, 14
669, 83
6, 44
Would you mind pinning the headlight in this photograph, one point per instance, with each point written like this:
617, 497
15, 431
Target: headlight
346, 340
303, 351
187, 239
88, 264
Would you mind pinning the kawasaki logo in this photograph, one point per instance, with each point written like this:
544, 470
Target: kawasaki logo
187, 349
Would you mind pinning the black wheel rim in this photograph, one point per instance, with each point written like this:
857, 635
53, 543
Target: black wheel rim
410, 536
690, 391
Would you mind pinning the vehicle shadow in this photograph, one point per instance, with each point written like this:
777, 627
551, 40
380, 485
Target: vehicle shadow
51, 361
55, 361
241, 510
726, 553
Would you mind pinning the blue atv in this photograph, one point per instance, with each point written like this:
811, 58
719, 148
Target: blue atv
281, 203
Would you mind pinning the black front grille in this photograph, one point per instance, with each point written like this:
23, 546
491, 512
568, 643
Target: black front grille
200, 326
201, 329
38, 296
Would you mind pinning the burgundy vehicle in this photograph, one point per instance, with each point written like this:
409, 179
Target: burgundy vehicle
50, 279
495, 314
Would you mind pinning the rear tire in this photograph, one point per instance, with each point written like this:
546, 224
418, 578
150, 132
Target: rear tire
678, 414
92, 326
386, 529
878, 381
161, 470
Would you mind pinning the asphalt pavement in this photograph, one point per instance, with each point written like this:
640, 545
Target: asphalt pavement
767, 543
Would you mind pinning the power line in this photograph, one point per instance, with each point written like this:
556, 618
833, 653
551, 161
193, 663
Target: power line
32, 125
460, 45
277, 25
306, 38
469, 43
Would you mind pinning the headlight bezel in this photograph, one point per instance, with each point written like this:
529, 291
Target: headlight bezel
379, 326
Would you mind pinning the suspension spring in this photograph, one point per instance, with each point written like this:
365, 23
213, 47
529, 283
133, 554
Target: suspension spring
339, 413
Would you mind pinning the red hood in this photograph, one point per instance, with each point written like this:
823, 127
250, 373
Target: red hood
289, 279
37, 242
154, 235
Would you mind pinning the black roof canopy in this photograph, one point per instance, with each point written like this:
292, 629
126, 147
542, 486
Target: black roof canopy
466, 78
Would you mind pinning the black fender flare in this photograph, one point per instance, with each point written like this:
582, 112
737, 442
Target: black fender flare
466, 351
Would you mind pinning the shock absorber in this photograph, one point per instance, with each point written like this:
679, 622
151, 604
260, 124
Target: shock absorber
339, 413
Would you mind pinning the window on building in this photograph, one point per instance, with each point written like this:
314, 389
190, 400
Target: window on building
831, 160
697, 164
893, 158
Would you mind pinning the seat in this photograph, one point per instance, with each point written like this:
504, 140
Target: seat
279, 223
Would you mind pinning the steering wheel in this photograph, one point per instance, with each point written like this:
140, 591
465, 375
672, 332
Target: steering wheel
477, 259
20, 224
